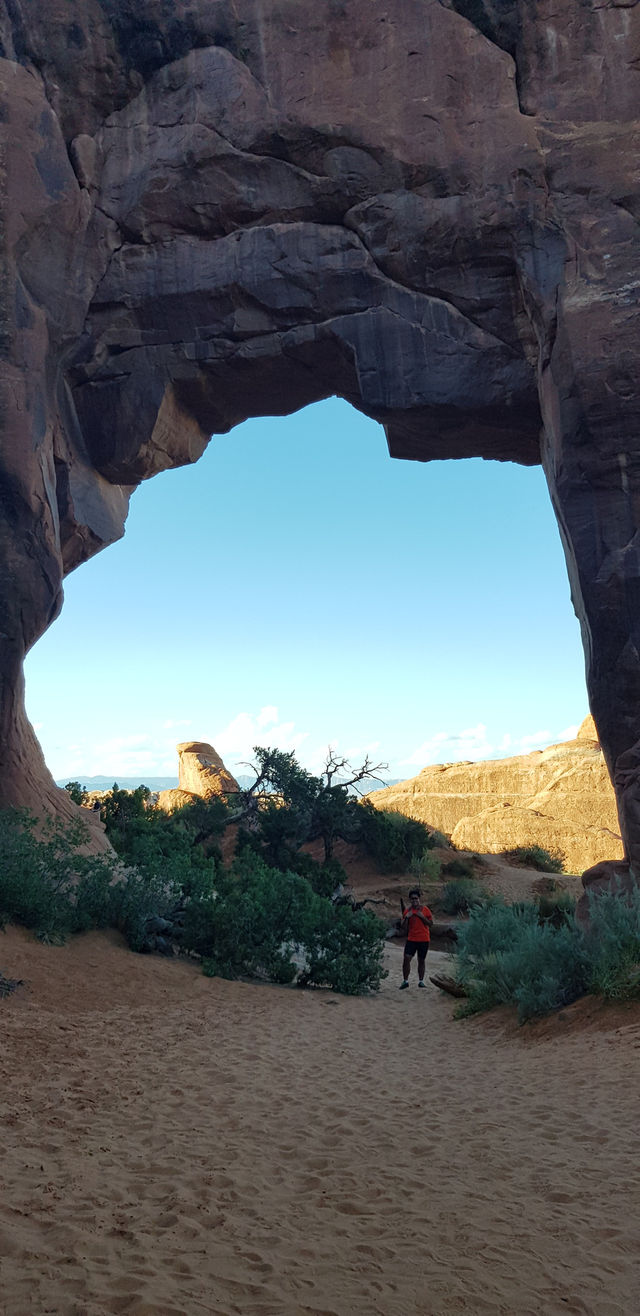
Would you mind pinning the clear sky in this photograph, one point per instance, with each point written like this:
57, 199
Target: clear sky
297, 587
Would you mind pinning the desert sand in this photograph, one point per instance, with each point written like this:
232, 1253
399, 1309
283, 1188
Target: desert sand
175, 1145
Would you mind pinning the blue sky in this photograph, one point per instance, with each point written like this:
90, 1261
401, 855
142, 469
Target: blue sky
297, 587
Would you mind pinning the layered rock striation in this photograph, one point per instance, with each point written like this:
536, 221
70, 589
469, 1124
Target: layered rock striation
218, 210
560, 798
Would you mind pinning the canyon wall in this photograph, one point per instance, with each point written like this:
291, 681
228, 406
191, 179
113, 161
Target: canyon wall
226, 209
560, 798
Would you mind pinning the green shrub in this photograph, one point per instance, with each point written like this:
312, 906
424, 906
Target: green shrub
460, 896
253, 921
614, 944
440, 841
344, 950
557, 909
391, 838
323, 878
41, 870
426, 866
258, 918
506, 956
534, 856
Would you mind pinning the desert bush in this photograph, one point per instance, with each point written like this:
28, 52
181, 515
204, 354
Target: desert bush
391, 838
258, 918
613, 942
344, 950
534, 856
426, 866
558, 908
460, 896
506, 956
41, 869
440, 841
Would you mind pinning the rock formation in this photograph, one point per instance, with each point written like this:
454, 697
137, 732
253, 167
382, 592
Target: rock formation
560, 798
225, 209
201, 775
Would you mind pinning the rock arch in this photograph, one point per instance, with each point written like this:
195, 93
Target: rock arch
214, 211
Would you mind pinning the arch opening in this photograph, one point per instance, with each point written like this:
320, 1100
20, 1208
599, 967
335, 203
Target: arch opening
297, 584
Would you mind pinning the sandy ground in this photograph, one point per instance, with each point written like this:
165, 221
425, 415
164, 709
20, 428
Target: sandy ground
177, 1145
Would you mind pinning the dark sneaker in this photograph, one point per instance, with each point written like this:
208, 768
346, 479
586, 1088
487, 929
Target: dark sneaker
422, 984
403, 984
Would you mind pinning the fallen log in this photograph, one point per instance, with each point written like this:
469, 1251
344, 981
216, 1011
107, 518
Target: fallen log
447, 984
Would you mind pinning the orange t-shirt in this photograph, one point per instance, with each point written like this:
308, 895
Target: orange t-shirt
416, 930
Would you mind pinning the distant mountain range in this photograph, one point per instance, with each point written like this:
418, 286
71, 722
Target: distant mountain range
125, 783
243, 779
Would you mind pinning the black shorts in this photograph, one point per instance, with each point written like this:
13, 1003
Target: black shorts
410, 948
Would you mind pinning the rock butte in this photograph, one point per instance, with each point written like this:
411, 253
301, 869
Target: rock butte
560, 798
201, 774
221, 210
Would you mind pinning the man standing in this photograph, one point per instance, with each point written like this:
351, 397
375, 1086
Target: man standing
416, 923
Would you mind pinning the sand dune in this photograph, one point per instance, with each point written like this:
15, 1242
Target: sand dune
175, 1145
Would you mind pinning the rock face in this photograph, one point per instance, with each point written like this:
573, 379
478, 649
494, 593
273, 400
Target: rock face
560, 798
201, 775
202, 772
220, 210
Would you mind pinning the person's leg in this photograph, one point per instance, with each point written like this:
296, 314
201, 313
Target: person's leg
406, 966
422, 960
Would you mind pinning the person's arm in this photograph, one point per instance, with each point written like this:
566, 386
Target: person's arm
428, 917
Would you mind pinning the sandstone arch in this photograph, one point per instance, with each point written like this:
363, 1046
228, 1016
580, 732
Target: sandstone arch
219, 210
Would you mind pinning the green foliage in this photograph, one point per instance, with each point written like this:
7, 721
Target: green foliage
323, 878
461, 895
120, 808
258, 918
558, 908
439, 841
426, 866
534, 856
391, 838
506, 956
42, 870
345, 950
614, 944
77, 792
305, 807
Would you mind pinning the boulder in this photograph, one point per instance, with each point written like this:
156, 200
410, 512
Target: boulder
202, 772
560, 798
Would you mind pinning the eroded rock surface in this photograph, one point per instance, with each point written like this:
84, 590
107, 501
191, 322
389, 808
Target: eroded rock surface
560, 798
220, 210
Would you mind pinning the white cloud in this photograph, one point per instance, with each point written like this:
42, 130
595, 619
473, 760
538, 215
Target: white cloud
534, 739
267, 716
451, 747
237, 739
176, 722
473, 743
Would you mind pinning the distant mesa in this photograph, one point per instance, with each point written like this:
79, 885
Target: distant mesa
201, 775
560, 798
